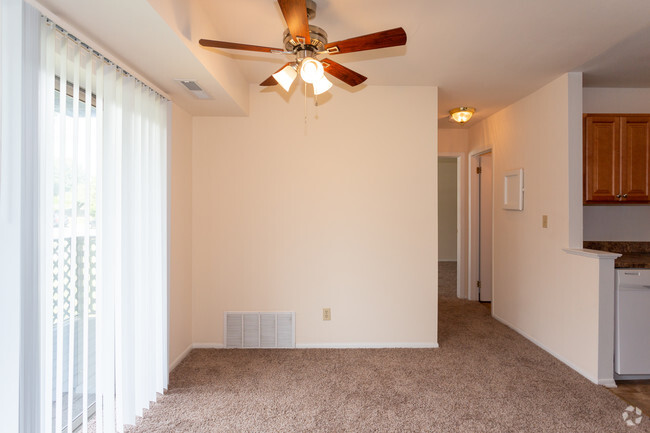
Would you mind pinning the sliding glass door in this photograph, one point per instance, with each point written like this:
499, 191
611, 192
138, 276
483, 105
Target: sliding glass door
103, 238
70, 202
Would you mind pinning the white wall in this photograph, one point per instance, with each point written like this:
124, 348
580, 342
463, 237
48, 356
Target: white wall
180, 272
619, 222
339, 211
539, 290
447, 209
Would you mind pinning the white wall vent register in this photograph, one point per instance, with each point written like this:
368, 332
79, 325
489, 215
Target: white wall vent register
251, 330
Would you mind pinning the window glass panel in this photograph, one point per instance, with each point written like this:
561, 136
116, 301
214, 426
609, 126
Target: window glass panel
74, 249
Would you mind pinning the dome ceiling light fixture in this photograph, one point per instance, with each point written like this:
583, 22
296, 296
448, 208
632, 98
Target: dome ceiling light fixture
461, 114
307, 42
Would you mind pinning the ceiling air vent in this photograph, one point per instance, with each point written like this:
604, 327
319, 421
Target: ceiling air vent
193, 87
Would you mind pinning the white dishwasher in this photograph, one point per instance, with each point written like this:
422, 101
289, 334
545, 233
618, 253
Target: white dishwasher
632, 322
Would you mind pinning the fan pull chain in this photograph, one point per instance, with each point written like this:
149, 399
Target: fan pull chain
305, 108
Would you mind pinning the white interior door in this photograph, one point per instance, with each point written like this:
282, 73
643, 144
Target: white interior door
485, 228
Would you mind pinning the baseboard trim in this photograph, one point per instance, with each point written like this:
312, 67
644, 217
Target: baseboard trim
180, 357
314, 346
559, 357
367, 346
607, 383
187, 351
208, 346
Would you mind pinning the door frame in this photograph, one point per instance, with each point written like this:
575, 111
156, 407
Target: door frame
461, 222
473, 222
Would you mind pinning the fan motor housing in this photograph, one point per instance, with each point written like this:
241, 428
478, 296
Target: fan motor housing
311, 9
317, 35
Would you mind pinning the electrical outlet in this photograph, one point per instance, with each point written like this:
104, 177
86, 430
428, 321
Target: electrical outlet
544, 221
327, 314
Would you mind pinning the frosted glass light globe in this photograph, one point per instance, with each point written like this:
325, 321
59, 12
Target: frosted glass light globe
322, 85
461, 114
311, 70
285, 76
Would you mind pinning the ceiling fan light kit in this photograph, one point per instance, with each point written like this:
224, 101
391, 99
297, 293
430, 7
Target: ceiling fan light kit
306, 42
311, 70
322, 85
462, 114
286, 76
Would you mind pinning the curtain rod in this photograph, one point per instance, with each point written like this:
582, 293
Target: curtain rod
98, 55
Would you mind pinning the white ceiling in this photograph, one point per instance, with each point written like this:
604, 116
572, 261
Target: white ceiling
485, 54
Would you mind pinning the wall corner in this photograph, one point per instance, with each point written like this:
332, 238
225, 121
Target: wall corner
574, 113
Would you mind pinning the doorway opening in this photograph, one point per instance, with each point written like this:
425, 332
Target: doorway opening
448, 225
481, 211
452, 223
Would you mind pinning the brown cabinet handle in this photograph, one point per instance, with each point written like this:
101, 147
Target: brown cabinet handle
624, 195
618, 196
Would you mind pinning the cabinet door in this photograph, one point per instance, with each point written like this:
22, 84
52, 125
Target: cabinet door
635, 159
601, 159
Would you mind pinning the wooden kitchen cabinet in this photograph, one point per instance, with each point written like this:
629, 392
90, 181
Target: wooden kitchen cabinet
616, 158
635, 158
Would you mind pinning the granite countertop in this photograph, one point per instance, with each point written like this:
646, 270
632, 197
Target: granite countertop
633, 260
635, 255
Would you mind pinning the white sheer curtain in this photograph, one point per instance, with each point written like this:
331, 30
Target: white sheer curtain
104, 267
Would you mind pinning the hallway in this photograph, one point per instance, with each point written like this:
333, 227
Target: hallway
453, 309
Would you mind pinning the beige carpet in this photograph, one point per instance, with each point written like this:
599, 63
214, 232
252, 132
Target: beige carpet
483, 378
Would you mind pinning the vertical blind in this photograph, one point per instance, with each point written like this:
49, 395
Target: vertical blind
103, 268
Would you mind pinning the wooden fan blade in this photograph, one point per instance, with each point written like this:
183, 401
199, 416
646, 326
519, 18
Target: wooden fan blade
295, 14
385, 39
235, 46
344, 74
271, 81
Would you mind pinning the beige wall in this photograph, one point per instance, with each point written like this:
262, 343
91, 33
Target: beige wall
540, 290
603, 223
339, 211
447, 208
180, 273
453, 140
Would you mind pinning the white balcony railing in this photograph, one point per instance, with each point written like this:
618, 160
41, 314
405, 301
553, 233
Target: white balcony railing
74, 284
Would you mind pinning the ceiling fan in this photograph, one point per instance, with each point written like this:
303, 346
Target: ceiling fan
306, 42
